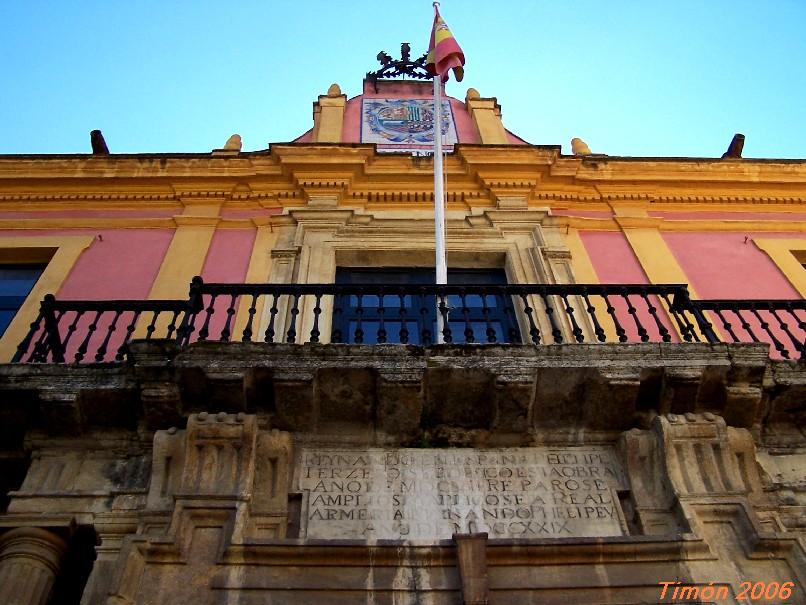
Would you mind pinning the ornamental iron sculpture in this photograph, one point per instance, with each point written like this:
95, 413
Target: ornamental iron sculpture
392, 68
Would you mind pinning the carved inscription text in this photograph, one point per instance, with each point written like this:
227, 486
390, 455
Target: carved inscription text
430, 494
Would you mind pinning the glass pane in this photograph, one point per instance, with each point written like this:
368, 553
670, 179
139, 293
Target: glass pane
6, 315
16, 282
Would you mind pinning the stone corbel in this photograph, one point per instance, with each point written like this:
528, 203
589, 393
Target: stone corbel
159, 390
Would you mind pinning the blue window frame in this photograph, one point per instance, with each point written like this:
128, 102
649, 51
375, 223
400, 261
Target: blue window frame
412, 318
16, 282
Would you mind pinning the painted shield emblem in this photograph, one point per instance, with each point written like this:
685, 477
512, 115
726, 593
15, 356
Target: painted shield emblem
404, 121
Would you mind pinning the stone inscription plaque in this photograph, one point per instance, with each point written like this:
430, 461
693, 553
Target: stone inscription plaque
430, 494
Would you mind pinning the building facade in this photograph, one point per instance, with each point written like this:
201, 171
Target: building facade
617, 416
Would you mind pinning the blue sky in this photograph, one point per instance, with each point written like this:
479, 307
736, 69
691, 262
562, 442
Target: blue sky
672, 78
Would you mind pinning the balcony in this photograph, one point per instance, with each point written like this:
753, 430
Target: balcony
74, 331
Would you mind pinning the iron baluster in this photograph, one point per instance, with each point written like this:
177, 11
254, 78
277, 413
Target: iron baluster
534, 332
785, 327
381, 335
82, 348
172, 324
71, 329
404, 329
621, 333
485, 311
208, 313
466, 317
100, 353
268, 336
642, 333
503, 299
336, 335
653, 312
152, 326
247, 331
120, 355
702, 321
726, 324
317, 310
745, 324
569, 310
683, 325
555, 329
358, 336
591, 310
226, 330
766, 327
425, 337
291, 334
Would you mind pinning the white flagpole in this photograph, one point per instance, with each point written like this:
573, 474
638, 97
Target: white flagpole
439, 201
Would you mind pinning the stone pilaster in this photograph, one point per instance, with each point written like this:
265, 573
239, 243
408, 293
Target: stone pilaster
30, 558
471, 555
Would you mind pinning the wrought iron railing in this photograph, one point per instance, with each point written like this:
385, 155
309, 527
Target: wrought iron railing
538, 314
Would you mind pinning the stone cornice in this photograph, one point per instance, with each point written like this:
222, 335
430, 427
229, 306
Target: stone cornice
357, 173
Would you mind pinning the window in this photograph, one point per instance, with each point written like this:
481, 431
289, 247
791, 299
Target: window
412, 318
60, 253
16, 282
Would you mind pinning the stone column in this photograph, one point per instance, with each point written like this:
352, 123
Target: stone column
30, 558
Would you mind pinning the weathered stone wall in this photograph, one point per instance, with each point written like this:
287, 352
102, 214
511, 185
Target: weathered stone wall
232, 473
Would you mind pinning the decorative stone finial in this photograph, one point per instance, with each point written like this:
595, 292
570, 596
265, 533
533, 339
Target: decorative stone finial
334, 90
472, 93
98, 143
579, 147
233, 143
735, 148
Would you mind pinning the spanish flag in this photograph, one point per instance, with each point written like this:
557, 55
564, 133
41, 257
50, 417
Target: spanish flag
444, 53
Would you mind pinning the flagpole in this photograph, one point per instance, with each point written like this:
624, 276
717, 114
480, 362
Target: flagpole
439, 201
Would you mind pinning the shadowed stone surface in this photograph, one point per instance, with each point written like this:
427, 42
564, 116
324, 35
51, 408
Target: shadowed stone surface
251, 473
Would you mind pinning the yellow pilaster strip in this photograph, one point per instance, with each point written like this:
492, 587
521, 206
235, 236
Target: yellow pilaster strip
328, 116
487, 117
184, 259
585, 273
258, 272
656, 258
61, 254
787, 254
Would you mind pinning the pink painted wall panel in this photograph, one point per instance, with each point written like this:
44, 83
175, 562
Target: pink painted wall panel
613, 258
724, 265
730, 216
351, 128
729, 265
113, 214
121, 264
227, 261
616, 263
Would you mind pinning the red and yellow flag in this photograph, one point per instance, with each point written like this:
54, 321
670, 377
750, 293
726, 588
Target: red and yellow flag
444, 53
